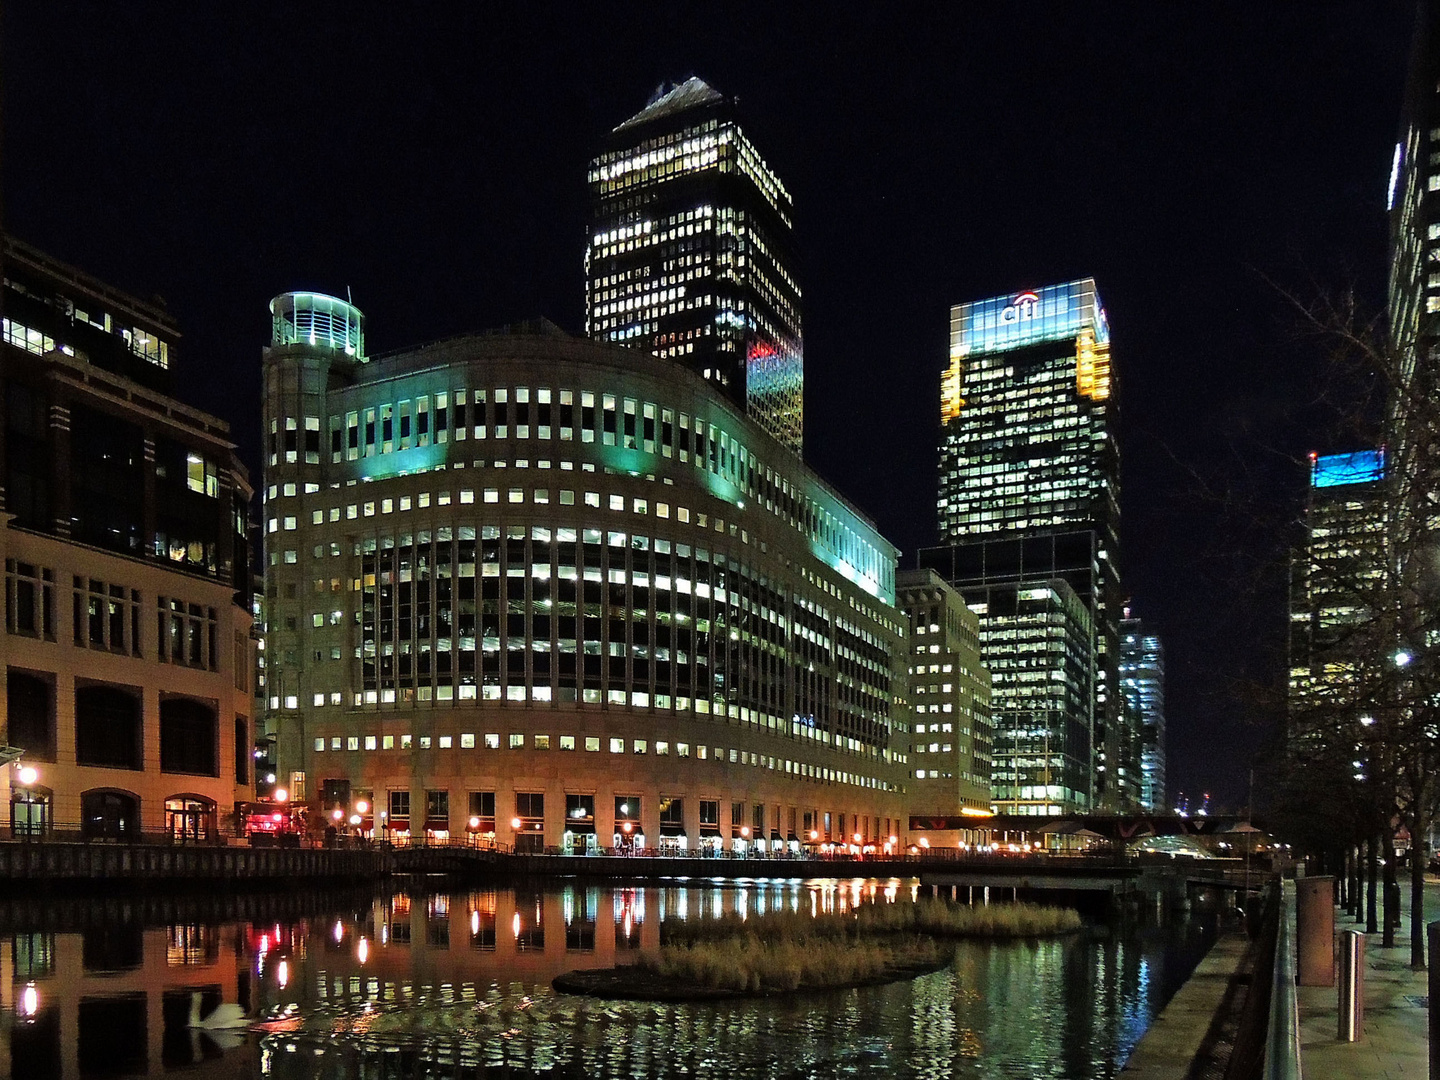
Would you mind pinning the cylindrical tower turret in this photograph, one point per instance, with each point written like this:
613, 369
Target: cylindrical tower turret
308, 318
317, 341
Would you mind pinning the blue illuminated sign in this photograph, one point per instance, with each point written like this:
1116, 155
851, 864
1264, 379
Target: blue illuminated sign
1336, 470
1054, 313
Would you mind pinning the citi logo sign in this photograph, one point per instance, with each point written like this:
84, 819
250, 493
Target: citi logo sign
1026, 305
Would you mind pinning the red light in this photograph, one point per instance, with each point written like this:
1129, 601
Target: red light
274, 817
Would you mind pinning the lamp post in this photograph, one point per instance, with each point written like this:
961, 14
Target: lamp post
26, 776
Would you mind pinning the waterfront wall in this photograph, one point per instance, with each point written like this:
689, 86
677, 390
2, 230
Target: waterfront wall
52, 862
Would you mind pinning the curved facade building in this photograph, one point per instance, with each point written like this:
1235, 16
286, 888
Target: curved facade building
564, 593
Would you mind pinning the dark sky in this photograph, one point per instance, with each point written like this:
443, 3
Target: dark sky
1195, 159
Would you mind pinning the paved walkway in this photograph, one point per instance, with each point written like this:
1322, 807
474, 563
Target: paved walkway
1394, 1044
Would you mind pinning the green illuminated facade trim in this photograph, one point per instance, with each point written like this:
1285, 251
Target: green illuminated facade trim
571, 536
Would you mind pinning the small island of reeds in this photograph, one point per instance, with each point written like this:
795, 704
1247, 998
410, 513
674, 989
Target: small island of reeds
783, 951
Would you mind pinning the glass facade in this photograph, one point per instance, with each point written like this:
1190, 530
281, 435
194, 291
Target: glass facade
1414, 208
691, 256
1142, 679
1029, 481
511, 555
1333, 580
1036, 641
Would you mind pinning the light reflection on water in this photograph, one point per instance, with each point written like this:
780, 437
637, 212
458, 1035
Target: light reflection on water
458, 984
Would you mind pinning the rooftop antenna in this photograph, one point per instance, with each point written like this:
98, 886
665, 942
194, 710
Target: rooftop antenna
348, 298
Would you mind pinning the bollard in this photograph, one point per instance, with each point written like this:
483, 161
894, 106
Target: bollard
1432, 932
1352, 985
1315, 932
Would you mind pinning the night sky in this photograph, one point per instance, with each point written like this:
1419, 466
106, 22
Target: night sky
1199, 160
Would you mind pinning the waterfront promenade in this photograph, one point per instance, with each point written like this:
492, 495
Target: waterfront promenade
1394, 1043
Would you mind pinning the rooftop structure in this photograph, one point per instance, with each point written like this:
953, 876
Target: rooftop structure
691, 254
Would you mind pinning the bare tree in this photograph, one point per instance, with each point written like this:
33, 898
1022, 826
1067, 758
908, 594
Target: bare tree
1365, 645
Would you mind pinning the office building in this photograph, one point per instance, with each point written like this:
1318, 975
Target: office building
691, 254
564, 594
1335, 582
127, 642
949, 701
1414, 209
1037, 641
1142, 682
1029, 494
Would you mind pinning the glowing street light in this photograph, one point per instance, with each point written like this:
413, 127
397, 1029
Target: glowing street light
281, 795
515, 823
28, 775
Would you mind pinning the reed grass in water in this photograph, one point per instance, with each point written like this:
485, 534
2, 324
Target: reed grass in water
936, 918
784, 950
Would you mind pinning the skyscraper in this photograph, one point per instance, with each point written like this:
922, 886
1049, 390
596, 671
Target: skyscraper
1142, 682
1414, 300
1030, 489
1335, 587
691, 253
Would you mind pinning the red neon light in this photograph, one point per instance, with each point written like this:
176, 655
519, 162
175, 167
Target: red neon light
1024, 297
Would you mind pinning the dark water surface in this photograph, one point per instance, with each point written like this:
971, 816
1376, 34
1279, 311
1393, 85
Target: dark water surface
457, 984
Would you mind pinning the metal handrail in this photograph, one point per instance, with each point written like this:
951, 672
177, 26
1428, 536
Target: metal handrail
1282, 1043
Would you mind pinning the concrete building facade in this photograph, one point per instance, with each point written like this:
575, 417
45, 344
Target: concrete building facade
127, 640
566, 595
951, 730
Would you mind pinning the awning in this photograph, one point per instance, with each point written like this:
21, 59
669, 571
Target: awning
672, 830
580, 828
775, 835
437, 824
709, 829
793, 839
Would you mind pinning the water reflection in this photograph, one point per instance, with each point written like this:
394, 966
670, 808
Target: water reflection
457, 984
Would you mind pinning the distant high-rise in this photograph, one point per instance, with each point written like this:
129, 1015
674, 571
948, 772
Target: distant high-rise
1333, 590
691, 253
1030, 490
1142, 681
